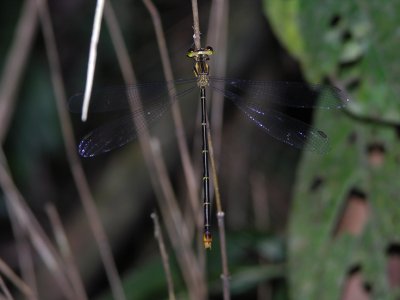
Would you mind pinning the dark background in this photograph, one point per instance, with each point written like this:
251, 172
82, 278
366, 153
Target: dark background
251, 163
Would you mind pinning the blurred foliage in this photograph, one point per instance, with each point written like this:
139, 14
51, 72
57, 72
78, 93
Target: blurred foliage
354, 44
148, 281
35, 124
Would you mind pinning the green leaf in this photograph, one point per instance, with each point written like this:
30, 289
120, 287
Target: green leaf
320, 260
347, 42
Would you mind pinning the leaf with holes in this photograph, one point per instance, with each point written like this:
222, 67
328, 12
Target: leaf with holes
344, 231
351, 42
345, 215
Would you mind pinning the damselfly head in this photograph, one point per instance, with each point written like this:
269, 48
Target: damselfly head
201, 53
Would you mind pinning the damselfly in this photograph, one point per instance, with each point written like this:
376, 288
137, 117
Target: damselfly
253, 98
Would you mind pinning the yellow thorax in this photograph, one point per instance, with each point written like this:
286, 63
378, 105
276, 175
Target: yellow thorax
201, 68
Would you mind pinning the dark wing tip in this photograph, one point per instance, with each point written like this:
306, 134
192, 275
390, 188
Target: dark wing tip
89, 147
84, 149
318, 142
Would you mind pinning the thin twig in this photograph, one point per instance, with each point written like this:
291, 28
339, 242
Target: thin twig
221, 222
74, 162
176, 114
164, 256
217, 35
92, 57
128, 74
65, 250
17, 281
158, 180
5, 289
177, 231
130, 78
15, 62
179, 130
187, 164
20, 210
196, 24
176, 228
24, 253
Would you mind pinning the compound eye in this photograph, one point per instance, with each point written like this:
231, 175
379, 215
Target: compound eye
208, 50
190, 52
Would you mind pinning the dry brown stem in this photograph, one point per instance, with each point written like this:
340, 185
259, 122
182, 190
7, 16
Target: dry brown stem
164, 256
18, 282
65, 250
18, 208
74, 162
172, 217
176, 114
15, 64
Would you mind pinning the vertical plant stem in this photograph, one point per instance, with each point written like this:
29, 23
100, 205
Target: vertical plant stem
176, 114
18, 208
15, 63
24, 253
175, 225
196, 24
76, 167
14, 67
172, 217
219, 27
221, 222
128, 74
158, 180
65, 250
180, 134
92, 57
164, 256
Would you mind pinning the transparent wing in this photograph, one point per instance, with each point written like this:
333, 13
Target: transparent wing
123, 97
155, 101
292, 94
110, 136
280, 126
